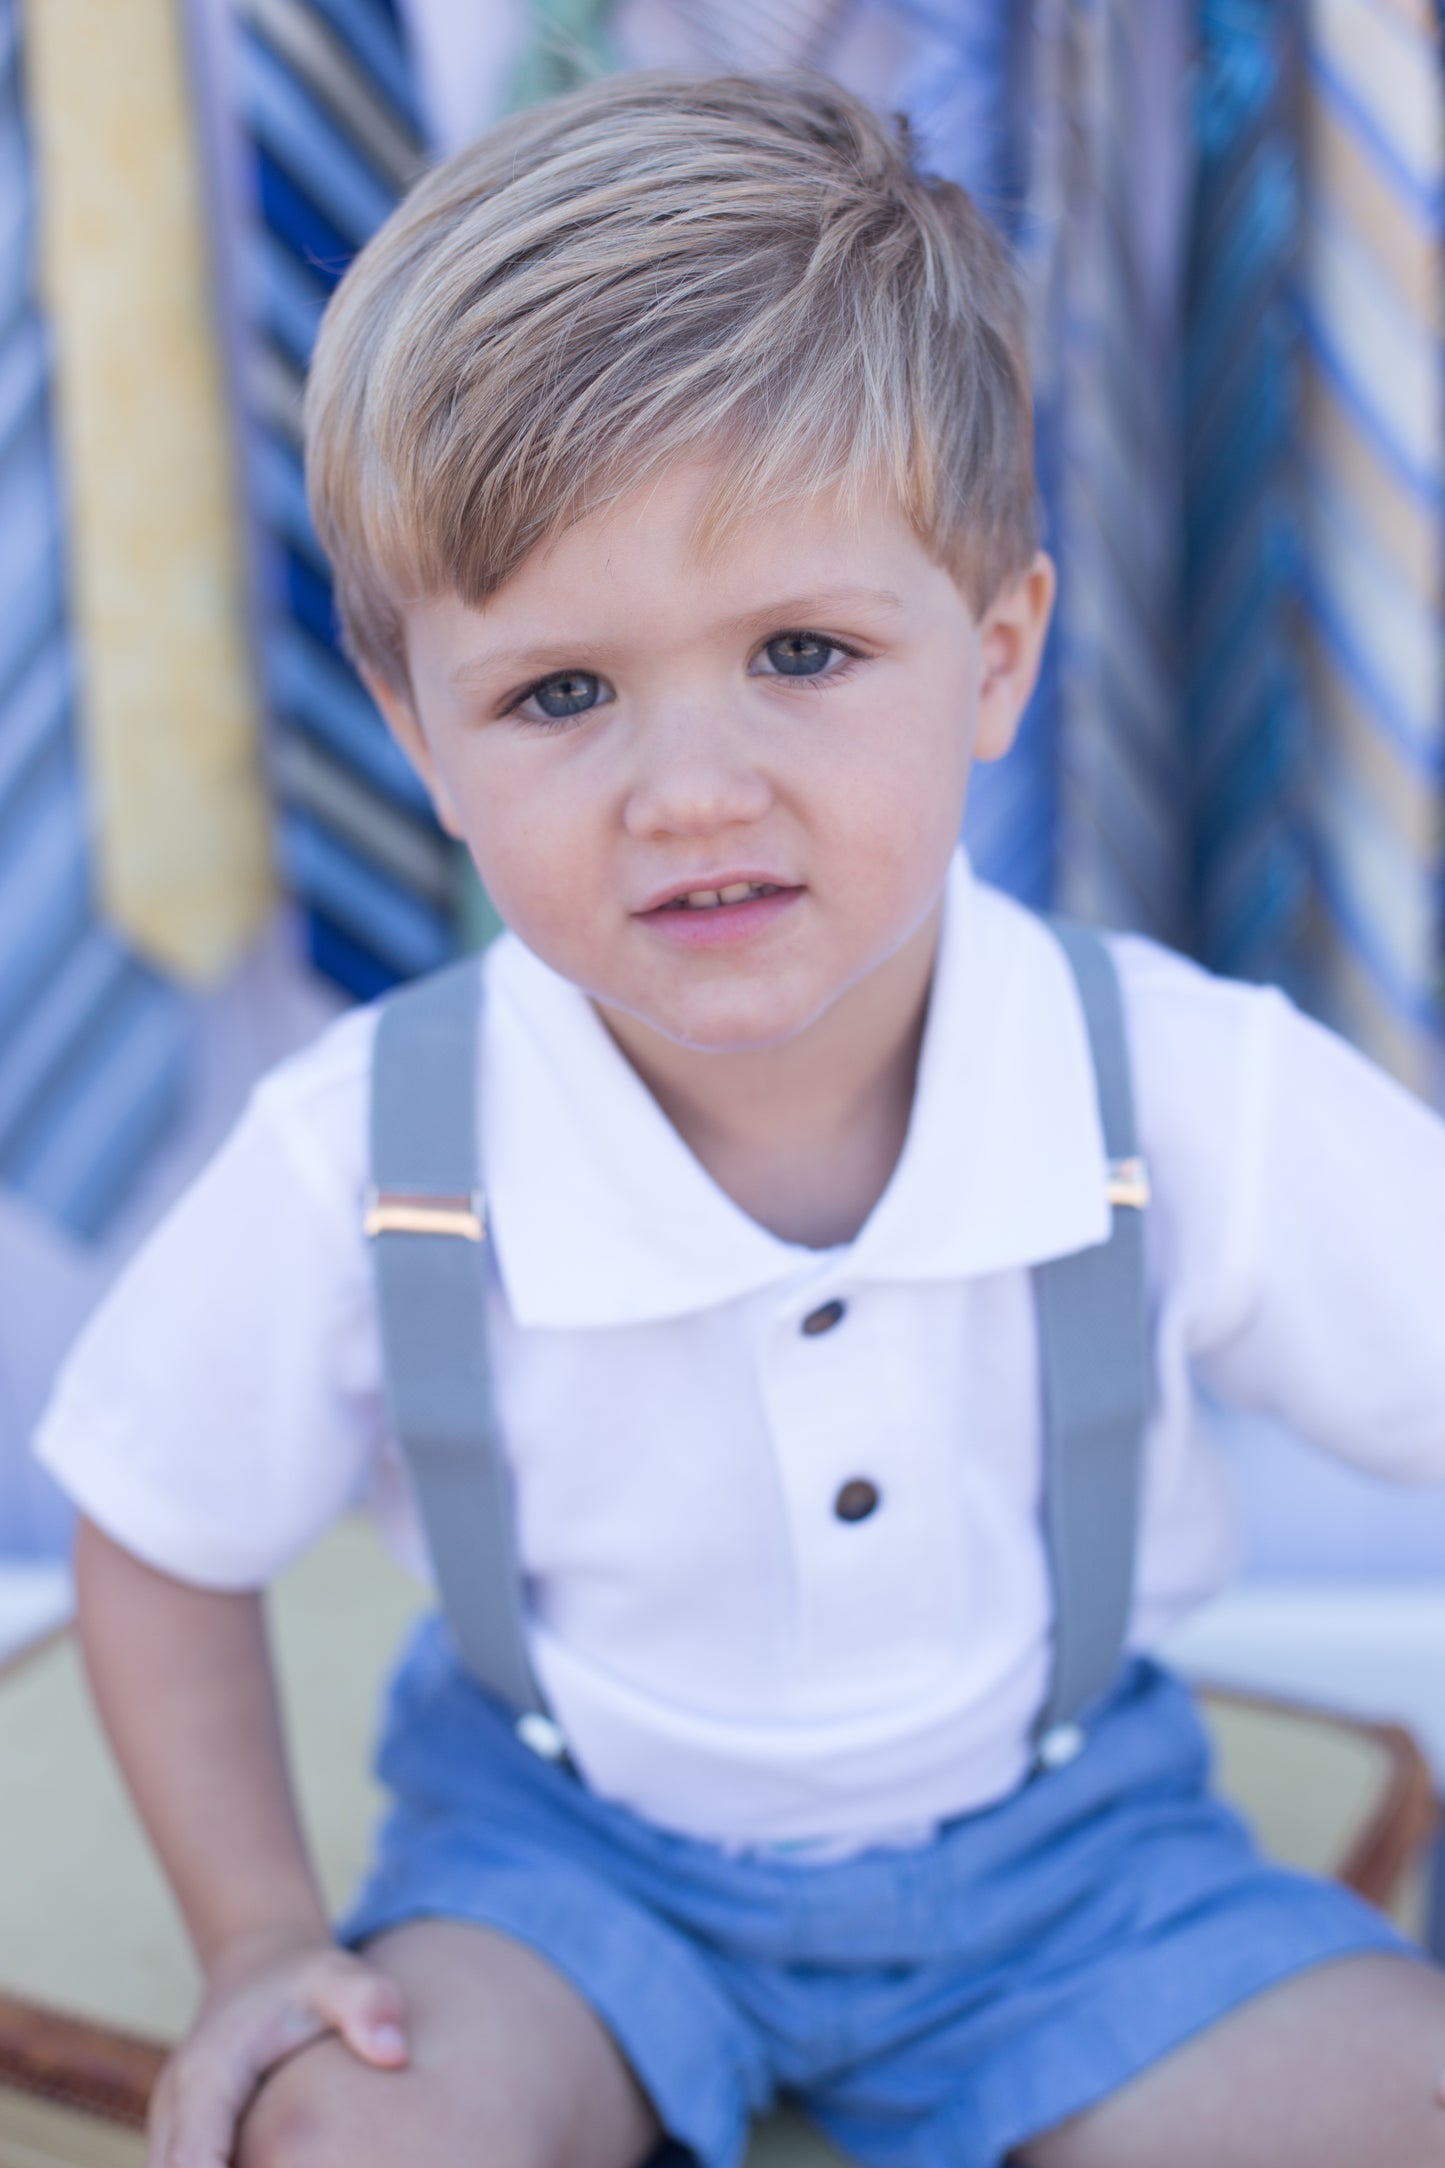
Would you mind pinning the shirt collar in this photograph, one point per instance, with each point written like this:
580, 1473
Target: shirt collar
602, 1216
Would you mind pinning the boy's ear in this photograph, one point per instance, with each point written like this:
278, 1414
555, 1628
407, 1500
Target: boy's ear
401, 721
1011, 636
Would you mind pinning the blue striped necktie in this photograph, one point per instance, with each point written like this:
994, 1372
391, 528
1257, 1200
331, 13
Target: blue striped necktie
92, 1042
327, 100
1244, 697
1107, 387
1374, 441
745, 34
964, 93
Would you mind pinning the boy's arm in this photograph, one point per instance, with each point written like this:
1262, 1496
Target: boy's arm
1334, 1316
183, 1681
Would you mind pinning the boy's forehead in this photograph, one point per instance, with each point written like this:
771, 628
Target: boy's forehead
648, 561
684, 525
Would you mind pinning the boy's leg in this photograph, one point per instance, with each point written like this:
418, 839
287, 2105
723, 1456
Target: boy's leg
509, 2068
1335, 2067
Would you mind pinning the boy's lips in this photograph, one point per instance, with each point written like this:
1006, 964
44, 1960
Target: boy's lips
675, 896
719, 924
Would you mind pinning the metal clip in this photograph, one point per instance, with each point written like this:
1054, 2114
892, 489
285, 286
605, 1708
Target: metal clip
542, 1735
1061, 1743
1128, 1183
426, 1212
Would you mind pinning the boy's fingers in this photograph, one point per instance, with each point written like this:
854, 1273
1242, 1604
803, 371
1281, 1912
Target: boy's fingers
196, 2126
158, 2123
212, 2083
203, 2094
366, 2009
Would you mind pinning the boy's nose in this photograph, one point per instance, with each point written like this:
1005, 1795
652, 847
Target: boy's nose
693, 779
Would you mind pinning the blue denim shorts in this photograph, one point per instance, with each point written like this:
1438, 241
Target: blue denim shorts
931, 2008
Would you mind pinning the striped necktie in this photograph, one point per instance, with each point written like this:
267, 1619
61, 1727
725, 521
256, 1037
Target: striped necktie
964, 91
1123, 810
745, 34
1244, 698
326, 99
1374, 108
92, 1043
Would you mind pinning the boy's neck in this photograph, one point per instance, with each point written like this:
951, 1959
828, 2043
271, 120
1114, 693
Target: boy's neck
803, 1136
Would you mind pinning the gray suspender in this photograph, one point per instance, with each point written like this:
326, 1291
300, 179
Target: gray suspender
1094, 1361
427, 1220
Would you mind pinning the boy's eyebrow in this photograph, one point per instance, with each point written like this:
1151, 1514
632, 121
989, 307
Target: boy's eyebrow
796, 610
524, 661
793, 611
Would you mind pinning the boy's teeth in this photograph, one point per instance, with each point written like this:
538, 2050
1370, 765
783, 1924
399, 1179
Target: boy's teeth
706, 899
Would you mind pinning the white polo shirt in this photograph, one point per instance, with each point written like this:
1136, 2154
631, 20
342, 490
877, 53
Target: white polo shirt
725, 1652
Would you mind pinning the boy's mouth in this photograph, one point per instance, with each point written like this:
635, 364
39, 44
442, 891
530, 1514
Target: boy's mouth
729, 912
710, 899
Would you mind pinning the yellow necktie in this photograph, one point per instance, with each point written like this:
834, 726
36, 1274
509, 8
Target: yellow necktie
169, 708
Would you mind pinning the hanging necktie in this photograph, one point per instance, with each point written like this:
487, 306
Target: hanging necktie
92, 1043
963, 87
327, 103
1245, 704
1374, 115
740, 35
1110, 207
168, 709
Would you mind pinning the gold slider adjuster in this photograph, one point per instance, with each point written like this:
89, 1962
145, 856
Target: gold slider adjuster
1129, 1183
426, 1212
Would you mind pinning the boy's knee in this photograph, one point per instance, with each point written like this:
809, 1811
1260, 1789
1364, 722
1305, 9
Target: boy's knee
288, 2127
306, 2115
323, 2110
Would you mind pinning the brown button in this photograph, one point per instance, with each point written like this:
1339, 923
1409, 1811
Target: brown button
824, 1319
856, 1500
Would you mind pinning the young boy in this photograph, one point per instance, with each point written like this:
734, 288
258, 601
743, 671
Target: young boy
672, 449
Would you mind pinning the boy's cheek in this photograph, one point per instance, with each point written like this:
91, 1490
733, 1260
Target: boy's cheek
537, 882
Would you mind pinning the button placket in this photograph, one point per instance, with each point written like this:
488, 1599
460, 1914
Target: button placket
831, 1432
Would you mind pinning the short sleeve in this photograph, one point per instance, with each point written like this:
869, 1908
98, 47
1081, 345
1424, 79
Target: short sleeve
1339, 1237
224, 1405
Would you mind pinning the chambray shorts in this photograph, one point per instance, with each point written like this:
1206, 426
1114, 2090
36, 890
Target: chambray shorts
930, 2008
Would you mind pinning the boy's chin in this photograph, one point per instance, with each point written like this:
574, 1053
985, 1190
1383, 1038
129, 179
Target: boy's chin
729, 1025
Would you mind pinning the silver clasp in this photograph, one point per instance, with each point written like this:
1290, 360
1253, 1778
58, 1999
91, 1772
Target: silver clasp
1128, 1183
425, 1212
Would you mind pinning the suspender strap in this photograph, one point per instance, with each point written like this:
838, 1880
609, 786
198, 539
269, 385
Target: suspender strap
428, 1223
1097, 1388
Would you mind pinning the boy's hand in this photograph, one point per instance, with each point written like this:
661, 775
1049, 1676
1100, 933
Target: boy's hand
265, 1998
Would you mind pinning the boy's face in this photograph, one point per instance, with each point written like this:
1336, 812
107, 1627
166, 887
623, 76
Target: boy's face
631, 727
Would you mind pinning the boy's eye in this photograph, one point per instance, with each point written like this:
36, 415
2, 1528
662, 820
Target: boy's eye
567, 693
800, 654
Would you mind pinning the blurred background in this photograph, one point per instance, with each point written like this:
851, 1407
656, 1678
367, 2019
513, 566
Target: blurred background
1228, 218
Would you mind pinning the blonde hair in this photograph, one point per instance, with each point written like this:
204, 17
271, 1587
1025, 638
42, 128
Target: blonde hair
662, 266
